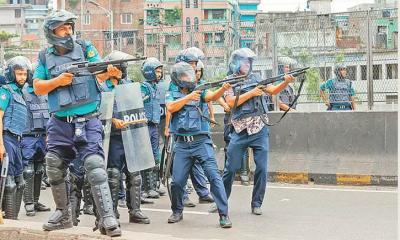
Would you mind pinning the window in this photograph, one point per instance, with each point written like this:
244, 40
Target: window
377, 72
128, 37
352, 72
173, 41
187, 24
187, 44
219, 38
196, 44
363, 72
207, 38
126, 18
151, 39
325, 73
214, 14
196, 24
392, 72
86, 19
187, 3
17, 13
195, 3
153, 17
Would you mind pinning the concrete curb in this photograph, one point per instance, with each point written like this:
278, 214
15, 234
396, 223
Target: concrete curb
333, 179
24, 230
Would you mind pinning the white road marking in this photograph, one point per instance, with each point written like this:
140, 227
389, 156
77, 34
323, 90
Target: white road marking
325, 189
169, 211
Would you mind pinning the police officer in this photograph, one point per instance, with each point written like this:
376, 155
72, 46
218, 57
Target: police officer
13, 119
116, 157
287, 95
193, 56
248, 120
341, 92
74, 130
152, 72
193, 141
33, 148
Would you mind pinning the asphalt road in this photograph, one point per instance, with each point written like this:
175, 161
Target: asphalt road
292, 212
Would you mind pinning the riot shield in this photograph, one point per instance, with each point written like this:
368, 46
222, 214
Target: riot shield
106, 112
3, 176
135, 135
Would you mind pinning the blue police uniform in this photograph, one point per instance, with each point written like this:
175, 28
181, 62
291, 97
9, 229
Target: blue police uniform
14, 124
340, 93
240, 141
74, 132
193, 144
33, 148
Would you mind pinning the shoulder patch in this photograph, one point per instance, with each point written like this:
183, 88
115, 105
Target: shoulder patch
3, 96
91, 54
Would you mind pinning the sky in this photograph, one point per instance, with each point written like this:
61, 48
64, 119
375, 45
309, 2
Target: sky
293, 5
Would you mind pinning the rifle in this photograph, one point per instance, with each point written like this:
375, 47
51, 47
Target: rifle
231, 80
270, 80
3, 176
166, 180
86, 68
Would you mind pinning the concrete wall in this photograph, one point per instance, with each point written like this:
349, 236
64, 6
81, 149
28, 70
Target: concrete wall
330, 147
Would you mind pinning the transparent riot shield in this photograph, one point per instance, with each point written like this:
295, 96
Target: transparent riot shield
135, 135
106, 112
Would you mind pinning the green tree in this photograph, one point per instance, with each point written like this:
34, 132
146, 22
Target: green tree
173, 16
5, 36
305, 58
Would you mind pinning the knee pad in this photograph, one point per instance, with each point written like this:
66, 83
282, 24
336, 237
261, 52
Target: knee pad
93, 161
29, 171
56, 170
96, 173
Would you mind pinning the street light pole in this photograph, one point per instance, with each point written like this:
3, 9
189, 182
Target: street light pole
110, 15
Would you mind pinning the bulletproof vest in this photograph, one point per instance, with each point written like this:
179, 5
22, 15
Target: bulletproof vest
16, 114
152, 107
38, 113
340, 91
83, 90
286, 96
188, 120
255, 106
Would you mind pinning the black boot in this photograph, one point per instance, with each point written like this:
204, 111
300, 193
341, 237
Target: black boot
114, 176
134, 181
20, 182
29, 173
61, 218
39, 207
75, 199
87, 198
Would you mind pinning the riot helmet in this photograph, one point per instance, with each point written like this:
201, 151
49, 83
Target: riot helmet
338, 68
192, 54
118, 55
149, 69
200, 69
182, 75
18, 63
238, 57
56, 20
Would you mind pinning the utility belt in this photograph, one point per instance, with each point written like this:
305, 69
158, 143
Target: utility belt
78, 118
6, 132
192, 138
34, 134
340, 105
